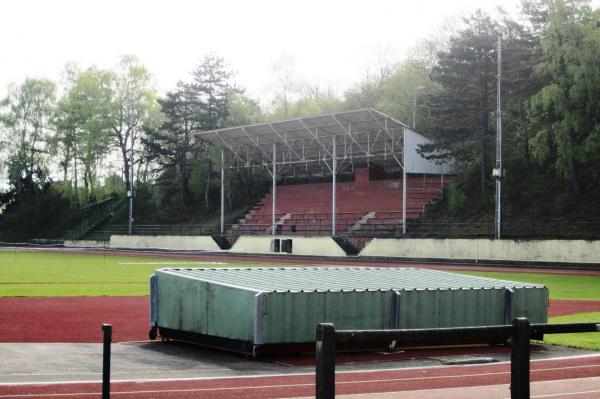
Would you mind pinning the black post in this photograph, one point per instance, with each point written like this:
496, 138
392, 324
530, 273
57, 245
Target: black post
325, 368
519, 361
107, 329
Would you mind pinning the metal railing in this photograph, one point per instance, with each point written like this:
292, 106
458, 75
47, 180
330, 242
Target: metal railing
383, 229
545, 230
519, 333
150, 229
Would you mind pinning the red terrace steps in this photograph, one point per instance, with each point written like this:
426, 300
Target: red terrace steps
309, 206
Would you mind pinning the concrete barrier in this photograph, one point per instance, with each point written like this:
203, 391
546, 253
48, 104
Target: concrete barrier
549, 251
85, 244
308, 246
164, 242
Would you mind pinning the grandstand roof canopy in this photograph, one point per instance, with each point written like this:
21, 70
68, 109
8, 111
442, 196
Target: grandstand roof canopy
365, 135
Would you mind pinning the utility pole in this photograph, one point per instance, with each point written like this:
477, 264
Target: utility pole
498, 172
130, 191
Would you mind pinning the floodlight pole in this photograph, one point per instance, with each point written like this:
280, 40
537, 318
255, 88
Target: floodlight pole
498, 171
274, 193
404, 181
222, 191
333, 193
130, 192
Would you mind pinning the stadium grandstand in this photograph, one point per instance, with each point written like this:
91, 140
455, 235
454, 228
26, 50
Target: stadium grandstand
350, 175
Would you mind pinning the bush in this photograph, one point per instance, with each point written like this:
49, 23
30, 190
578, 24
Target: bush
456, 198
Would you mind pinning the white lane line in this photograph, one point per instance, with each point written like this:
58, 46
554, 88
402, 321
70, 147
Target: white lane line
29, 395
119, 372
560, 395
174, 263
367, 381
254, 376
165, 391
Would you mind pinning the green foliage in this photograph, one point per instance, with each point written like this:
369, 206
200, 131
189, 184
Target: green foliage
133, 107
456, 198
33, 208
566, 111
25, 116
202, 104
83, 126
461, 109
243, 110
410, 85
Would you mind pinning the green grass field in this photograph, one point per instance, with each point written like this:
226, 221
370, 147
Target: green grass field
70, 274
580, 340
560, 286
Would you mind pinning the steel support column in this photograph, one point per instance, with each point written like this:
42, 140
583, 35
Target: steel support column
333, 191
130, 192
222, 191
499, 172
274, 192
404, 182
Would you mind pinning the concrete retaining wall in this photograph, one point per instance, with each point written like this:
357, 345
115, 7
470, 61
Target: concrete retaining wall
85, 243
315, 246
567, 251
164, 242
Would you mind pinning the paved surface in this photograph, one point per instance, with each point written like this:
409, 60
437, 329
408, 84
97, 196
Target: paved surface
43, 363
578, 375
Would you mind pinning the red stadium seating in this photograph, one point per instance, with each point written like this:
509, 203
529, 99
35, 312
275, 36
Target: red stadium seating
305, 209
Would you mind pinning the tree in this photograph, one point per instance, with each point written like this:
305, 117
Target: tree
243, 110
566, 111
285, 86
212, 83
408, 84
83, 124
133, 106
461, 110
26, 117
367, 93
171, 146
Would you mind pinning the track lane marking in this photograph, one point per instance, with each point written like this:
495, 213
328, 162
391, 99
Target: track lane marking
118, 372
346, 383
558, 395
347, 372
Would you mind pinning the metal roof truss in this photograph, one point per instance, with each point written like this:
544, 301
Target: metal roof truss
305, 145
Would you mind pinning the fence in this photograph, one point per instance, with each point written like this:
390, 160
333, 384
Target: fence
147, 229
519, 334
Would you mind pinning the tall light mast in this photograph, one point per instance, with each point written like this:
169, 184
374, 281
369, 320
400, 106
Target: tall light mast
498, 172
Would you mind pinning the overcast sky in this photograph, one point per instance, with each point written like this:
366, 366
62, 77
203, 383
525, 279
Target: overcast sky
332, 43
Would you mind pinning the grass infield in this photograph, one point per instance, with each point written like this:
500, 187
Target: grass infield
580, 340
69, 274
560, 286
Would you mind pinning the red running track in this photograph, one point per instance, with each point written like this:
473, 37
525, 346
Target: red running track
73, 319
286, 386
560, 308
78, 319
